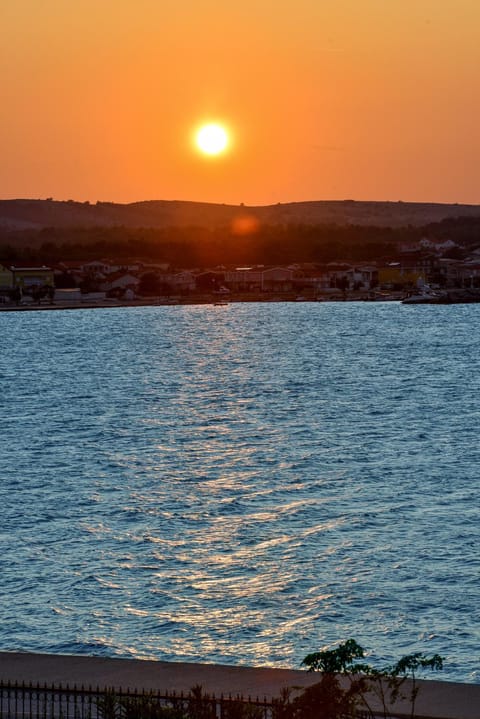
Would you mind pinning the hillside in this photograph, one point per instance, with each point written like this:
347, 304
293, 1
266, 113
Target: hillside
37, 214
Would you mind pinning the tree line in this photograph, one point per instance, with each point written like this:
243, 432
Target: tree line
201, 247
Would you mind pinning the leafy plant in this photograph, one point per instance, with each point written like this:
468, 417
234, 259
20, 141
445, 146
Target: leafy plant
407, 668
144, 706
335, 661
348, 688
107, 706
200, 706
333, 698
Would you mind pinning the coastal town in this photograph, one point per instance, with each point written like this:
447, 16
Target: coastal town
116, 280
70, 253
239, 270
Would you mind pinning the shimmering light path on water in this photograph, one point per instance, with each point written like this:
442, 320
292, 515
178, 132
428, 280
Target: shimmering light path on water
241, 484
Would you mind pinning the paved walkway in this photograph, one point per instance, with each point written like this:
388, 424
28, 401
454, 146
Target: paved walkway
437, 700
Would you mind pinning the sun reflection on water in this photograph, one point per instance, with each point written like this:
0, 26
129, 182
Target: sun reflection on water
238, 486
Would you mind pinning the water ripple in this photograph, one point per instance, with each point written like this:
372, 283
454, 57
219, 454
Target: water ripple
241, 487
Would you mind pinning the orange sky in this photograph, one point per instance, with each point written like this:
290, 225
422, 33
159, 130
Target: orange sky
326, 99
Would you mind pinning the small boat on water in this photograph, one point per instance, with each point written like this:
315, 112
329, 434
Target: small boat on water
427, 296
423, 296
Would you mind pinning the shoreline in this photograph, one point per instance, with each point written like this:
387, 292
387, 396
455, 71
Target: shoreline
457, 296
436, 699
186, 301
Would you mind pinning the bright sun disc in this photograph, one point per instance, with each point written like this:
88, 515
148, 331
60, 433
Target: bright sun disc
212, 139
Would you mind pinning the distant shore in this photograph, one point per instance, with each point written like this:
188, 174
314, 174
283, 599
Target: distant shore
454, 296
193, 300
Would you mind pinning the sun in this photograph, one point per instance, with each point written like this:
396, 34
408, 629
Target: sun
212, 139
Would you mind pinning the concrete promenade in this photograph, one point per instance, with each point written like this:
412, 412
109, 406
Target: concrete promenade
437, 700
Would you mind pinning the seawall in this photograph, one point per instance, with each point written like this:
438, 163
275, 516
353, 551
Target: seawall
436, 700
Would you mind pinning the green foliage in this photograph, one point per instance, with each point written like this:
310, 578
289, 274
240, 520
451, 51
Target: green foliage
186, 247
348, 689
200, 706
237, 709
145, 707
333, 698
112, 706
337, 661
108, 706
411, 663
407, 668
326, 700
193, 246
197, 705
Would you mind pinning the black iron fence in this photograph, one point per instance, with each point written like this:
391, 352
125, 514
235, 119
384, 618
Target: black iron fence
34, 701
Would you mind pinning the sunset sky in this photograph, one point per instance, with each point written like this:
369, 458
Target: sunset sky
323, 99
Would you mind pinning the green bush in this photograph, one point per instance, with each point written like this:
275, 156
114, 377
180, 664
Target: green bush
348, 687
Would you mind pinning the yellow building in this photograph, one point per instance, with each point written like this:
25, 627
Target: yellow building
395, 275
6, 277
26, 277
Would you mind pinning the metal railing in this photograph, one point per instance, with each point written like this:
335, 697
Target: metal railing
35, 701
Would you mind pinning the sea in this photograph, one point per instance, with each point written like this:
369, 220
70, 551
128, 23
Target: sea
242, 484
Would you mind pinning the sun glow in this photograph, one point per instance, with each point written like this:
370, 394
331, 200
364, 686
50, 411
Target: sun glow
212, 139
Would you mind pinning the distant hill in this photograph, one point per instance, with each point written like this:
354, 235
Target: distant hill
37, 214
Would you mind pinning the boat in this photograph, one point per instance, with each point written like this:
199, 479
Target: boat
423, 296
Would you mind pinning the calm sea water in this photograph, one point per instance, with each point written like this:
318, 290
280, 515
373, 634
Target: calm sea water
242, 484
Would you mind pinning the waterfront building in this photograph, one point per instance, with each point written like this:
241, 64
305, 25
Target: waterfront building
6, 278
27, 277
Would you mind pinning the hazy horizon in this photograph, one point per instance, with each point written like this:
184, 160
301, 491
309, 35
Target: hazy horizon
231, 204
